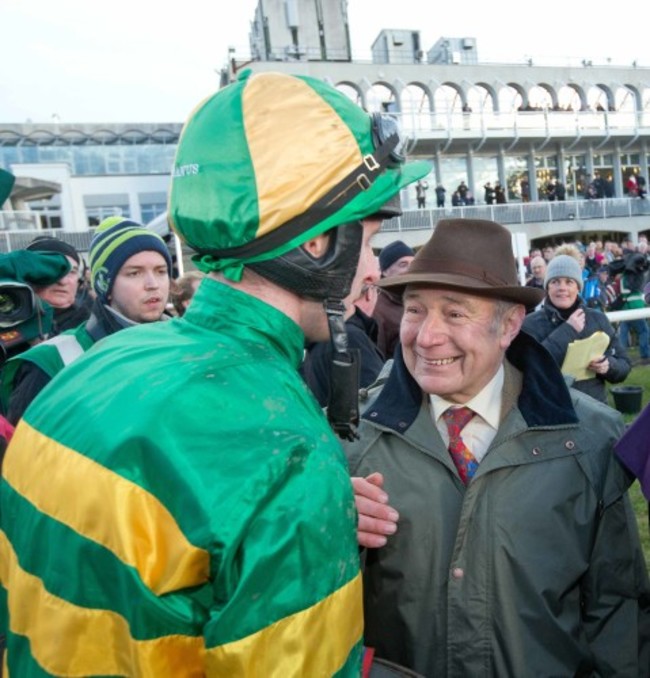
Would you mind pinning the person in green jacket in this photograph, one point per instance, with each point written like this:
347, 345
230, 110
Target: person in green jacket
175, 502
631, 291
25, 319
501, 540
130, 270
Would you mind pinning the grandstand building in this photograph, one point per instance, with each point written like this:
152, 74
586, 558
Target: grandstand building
525, 126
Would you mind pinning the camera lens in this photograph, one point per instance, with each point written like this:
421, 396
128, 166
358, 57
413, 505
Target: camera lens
16, 304
7, 303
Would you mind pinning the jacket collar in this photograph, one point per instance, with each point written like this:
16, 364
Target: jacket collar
219, 307
401, 398
557, 317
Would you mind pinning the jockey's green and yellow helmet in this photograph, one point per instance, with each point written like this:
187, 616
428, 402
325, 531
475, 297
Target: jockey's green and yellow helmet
272, 160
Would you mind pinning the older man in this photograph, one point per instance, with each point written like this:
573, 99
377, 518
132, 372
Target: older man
504, 540
68, 296
538, 271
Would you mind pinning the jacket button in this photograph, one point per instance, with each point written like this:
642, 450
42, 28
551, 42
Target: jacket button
536, 451
569, 444
458, 573
373, 415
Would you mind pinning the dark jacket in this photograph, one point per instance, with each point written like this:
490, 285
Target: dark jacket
536, 283
388, 315
362, 335
555, 334
534, 569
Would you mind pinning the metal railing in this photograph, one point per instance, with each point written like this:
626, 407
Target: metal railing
18, 228
632, 314
523, 213
548, 122
20, 221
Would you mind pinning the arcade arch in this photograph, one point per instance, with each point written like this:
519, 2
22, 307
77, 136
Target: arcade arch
415, 104
382, 98
352, 92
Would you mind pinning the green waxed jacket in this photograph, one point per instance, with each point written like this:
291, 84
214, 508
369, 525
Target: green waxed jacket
534, 569
200, 522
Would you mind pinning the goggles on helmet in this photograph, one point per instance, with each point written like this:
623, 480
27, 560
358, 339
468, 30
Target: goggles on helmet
386, 130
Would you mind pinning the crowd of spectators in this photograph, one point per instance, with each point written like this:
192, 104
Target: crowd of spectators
605, 266
590, 187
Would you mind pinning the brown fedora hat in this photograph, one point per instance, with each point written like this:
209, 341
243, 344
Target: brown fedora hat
471, 255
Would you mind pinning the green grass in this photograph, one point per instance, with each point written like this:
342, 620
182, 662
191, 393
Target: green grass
639, 376
641, 509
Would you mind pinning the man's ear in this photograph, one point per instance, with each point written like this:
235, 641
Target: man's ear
317, 246
512, 322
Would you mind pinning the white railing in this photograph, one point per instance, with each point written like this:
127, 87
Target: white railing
546, 122
24, 220
14, 223
523, 213
633, 314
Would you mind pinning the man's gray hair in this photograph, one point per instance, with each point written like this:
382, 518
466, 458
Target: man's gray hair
501, 309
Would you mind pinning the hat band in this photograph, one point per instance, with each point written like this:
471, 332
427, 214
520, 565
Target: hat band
463, 268
360, 179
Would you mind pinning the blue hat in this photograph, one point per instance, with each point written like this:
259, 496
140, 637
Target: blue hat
392, 253
116, 240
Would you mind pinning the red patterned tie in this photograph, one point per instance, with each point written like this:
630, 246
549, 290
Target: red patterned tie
456, 418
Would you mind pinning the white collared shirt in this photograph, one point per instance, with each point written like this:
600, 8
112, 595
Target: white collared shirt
479, 433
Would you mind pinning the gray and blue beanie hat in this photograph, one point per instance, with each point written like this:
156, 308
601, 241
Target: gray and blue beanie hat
116, 240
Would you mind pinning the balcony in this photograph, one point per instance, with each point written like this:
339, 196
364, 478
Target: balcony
537, 220
490, 131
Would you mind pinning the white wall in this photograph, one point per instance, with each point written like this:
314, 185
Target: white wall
130, 184
73, 189
73, 214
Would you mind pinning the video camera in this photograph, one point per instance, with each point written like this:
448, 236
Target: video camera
24, 317
17, 304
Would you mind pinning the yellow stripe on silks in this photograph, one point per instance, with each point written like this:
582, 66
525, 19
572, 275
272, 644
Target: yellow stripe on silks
68, 640
314, 642
107, 509
294, 166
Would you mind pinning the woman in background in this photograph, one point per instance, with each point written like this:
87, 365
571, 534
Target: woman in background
564, 318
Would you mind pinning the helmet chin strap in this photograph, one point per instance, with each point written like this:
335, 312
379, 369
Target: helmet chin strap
343, 404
